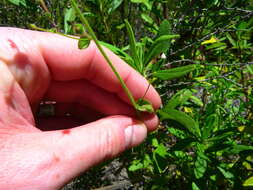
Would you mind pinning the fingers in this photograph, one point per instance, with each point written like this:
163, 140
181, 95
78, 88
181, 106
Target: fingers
90, 144
20, 52
88, 95
15, 110
66, 62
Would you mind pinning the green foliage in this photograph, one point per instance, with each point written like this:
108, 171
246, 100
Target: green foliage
198, 55
83, 43
144, 106
173, 73
18, 2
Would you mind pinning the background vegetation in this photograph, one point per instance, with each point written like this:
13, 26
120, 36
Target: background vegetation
199, 56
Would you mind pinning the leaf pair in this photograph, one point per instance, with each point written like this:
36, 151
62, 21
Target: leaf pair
141, 58
169, 112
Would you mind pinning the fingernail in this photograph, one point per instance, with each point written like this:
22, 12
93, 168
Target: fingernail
135, 134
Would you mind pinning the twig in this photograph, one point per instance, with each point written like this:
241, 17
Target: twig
238, 9
43, 5
208, 64
116, 186
218, 30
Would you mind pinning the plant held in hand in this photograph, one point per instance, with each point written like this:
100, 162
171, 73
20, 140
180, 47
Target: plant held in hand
140, 105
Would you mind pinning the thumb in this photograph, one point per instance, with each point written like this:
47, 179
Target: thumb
81, 148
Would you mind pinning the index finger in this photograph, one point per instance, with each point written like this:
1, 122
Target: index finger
67, 62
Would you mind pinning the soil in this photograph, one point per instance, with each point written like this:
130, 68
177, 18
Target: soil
112, 176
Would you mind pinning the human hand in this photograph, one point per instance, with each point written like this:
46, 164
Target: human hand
36, 66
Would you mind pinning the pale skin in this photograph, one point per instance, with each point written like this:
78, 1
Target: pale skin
36, 66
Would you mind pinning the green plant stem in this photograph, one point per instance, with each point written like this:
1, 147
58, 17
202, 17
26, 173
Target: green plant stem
91, 32
32, 26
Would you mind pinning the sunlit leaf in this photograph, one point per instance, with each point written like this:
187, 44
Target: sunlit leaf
194, 186
118, 52
250, 69
144, 106
187, 110
248, 182
170, 74
182, 118
200, 167
114, 4
178, 99
83, 43
147, 18
18, 2
69, 17
145, 2
227, 174
196, 100
136, 165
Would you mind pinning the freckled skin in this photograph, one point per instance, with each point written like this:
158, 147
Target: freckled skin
37, 67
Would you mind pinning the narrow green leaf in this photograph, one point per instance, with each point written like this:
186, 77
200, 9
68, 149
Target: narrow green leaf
69, 16
200, 167
170, 74
235, 149
226, 174
166, 37
147, 18
194, 186
133, 47
161, 43
248, 182
182, 144
196, 100
145, 2
118, 52
181, 118
114, 5
162, 151
211, 123
217, 46
18, 2
250, 69
159, 155
83, 43
178, 99
144, 106
164, 29
136, 165
155, 142
231, 40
